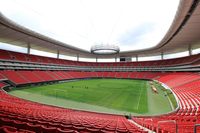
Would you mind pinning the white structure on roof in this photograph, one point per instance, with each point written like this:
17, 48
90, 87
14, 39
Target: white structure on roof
105, 49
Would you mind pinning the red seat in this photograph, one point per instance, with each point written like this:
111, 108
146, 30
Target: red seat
9, 129
65, 130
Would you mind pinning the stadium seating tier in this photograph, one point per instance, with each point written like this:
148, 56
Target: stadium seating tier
19, 115
22, 57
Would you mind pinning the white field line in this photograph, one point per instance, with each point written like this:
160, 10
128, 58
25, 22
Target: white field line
139, 98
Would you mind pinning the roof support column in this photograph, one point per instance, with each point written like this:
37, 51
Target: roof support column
96, 59
58, 54
28, 48
136, 57
190, 50
77, 57
162, 55
115, 58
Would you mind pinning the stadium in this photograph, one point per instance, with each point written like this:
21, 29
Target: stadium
40, 94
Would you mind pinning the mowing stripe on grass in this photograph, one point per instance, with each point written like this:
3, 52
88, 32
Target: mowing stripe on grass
141, 88
99, 95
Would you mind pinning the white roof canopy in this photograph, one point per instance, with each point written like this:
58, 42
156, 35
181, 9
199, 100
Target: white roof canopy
184, 33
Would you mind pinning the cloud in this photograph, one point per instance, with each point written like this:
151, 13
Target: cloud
83, 23
136, 34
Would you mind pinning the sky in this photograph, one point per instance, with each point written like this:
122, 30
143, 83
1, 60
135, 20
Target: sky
129, 24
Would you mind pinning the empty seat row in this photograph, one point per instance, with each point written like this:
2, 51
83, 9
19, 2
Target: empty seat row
17, 115
20, 77
9, 55
186, 86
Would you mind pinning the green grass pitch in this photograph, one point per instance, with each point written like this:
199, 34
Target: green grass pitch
101, 95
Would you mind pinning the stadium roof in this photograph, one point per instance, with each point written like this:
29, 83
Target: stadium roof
183, 34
